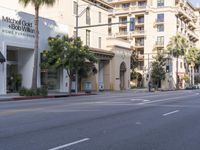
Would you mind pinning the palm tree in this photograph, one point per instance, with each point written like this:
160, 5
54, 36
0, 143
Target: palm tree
177, 47
37, 4
192, 60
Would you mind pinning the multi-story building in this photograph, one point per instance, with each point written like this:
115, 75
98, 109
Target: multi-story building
155, 22
113, 54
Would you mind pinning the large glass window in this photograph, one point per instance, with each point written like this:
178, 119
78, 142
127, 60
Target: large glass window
88, 21
88, 37
181, 65
160, 28
160, 40
12, 55
139, 42
99, 42
99, 17
123, 30
160, 3
125, 5
141, 19
160, 17
75, 7
123, 20
142, 3
50, 78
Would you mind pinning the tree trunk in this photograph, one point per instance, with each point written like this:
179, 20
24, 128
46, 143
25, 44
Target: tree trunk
70, 85
35, 65
177, 81
70, 80
193, 66
156, 86
76, 88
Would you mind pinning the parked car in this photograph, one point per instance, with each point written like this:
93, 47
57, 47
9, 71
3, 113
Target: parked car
192, 87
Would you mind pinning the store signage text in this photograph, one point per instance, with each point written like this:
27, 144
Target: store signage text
19, 25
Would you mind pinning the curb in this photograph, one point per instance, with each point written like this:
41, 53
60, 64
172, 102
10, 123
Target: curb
42, 97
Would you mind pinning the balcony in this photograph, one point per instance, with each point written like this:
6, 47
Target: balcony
139, 23
140, 57
193, 36
191, 25
139, 8
138, 33
183, 14
159, 44
139, 45
121, 34
131, 9
119, 1
123, 24
159, 21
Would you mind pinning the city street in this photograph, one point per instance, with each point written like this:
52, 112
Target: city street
108, 121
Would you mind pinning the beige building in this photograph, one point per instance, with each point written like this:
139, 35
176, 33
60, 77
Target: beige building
155, 22
113, 54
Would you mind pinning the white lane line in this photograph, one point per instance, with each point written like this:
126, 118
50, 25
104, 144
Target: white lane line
70, 144
143, 100
169, 113
166, 99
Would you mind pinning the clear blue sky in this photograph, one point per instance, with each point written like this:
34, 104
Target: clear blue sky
195, 2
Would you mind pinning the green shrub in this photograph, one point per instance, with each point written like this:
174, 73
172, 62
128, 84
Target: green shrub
22, 91
33, 92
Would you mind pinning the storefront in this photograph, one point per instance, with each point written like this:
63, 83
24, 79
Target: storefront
17, 51
113, 67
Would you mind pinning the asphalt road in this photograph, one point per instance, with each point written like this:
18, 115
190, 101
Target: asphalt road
108, 121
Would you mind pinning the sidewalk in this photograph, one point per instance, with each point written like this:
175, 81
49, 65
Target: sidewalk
16, 97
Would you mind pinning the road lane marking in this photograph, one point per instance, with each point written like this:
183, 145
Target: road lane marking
166, 99
169, 113
143, 100
70, 144
138, 123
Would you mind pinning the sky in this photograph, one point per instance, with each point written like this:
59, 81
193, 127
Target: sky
195, 2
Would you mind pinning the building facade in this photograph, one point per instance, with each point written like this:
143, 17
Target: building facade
17, 44
155, 22
95, 12
113, 54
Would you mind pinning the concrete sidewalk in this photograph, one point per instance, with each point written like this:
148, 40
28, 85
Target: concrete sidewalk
16, 97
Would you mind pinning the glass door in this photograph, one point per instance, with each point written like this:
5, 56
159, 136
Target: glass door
12, 70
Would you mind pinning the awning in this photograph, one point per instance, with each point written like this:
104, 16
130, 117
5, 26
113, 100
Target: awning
2, 58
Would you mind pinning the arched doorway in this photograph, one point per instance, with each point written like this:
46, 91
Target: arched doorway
122, 76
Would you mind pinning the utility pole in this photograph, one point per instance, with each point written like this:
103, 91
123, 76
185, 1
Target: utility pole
148, 69
77, 16
76, 36
77, 19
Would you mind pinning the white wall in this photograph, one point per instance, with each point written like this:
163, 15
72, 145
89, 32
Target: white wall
25, 61
25, 40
